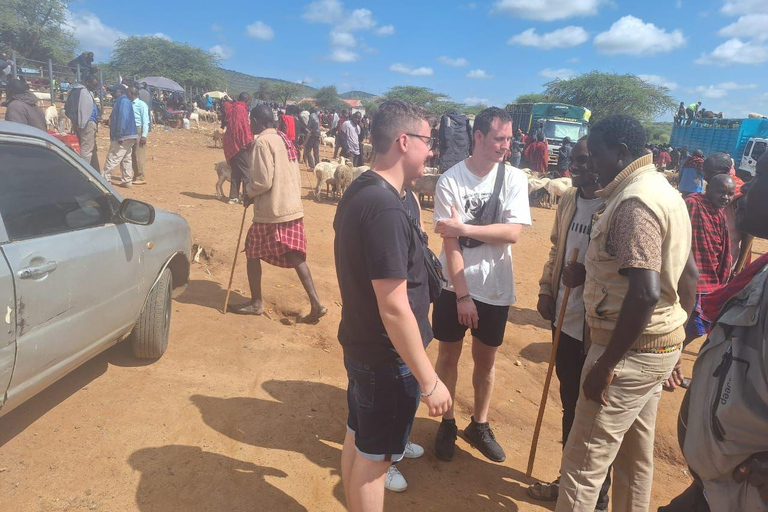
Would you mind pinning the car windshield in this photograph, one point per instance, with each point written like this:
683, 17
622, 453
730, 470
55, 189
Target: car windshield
561, 129
758, 150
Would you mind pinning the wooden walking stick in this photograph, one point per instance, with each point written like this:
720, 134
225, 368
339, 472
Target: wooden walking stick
234, 263
746, 251
545, 394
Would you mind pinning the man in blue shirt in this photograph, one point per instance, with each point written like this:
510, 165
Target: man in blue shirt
122, 137
139, 152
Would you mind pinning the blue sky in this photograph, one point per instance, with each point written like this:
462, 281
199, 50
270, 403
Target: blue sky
715, 51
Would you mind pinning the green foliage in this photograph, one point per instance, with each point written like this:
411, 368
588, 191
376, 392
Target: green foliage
155, 56
658, 132
533, 97
609, 93
370, 106
664, 138
277, 90
357, 95
37, 29
474, 109
435, 102
305, 105
328, 97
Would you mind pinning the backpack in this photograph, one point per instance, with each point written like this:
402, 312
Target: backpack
454, 139
71, 107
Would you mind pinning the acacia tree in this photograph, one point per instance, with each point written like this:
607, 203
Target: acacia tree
37, 29
277, 90
532, 97
609, 93
328, 97
150, 56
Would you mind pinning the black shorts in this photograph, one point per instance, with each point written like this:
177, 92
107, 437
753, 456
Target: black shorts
382, 406
491, 324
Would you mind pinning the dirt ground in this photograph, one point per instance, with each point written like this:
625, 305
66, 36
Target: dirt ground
248, 413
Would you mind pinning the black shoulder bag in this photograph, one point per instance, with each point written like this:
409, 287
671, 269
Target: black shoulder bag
490, 213
434, 268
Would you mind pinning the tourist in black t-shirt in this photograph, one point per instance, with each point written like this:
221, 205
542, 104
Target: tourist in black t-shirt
385, 294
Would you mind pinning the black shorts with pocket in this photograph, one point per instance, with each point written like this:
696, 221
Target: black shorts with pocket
491, 324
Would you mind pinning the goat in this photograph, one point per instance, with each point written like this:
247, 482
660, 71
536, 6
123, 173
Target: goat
425, 186
224, 172
218, 137
329, 141
556, 188
52, 118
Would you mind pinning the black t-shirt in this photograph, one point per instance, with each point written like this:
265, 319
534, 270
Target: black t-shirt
375, 240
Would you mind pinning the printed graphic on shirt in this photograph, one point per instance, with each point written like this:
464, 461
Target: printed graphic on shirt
582, 229
474, 203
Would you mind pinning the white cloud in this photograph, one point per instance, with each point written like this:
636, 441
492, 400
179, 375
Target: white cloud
407, 70
548, 10
359, 19
306, 80
721, 90
161, 36
343, 55
560, 38
659, 80
736, 7
386, 30
632, 36
458, 62
342, 39
94, 35
479, 74
561, 74
476, 101
260, 30
752, 26
216, 27
324, 11
735, 51
224, 52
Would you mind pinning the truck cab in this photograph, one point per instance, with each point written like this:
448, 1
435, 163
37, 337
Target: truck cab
752, 152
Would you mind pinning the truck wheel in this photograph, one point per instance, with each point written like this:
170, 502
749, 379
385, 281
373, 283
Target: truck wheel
149, 337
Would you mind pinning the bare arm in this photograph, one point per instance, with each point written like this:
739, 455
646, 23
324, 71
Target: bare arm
494, 233
686, 286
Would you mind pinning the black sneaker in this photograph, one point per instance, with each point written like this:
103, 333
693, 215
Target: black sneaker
481, 437
445, 442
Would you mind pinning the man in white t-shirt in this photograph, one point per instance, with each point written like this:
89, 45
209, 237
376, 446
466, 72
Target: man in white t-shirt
481, 284
571, 230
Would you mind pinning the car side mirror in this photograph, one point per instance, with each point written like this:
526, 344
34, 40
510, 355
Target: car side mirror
136, 212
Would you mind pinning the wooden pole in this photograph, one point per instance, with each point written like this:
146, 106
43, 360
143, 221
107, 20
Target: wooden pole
746, 251
234, 262
548, 380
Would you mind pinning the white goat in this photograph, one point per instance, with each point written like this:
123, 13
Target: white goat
556, 188
52, 118
329, 141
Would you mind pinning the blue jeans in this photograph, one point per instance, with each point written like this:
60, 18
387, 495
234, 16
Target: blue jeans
382, 405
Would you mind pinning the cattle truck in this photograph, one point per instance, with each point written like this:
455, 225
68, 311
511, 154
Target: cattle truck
555, 120
744, 139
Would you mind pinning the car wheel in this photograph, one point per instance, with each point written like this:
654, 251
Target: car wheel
149, 337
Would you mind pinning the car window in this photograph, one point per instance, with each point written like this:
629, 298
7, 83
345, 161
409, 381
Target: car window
748, 148
759, 149
43, 194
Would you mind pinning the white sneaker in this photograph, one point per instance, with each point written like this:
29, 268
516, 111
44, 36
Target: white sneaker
395, 481
413, 451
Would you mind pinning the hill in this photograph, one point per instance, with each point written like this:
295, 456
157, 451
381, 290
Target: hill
237, 82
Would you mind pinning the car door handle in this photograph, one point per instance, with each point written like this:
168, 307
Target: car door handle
33, 272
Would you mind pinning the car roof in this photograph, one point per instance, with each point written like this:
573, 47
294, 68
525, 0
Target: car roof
11, 128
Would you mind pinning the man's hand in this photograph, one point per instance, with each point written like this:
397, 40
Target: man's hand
675, 380
143, 141
452, 227
574, 274
754, 470
247, 201
467, 313
597, 381
546, 307
439, 401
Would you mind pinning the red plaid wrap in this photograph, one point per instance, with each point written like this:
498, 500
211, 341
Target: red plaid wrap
293, 155
272, 242
238, 135
711, 245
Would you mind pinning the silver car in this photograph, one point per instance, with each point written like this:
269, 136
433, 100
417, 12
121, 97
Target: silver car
81, 268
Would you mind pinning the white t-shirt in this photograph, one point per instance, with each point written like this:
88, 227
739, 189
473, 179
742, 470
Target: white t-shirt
488, 267
577, 238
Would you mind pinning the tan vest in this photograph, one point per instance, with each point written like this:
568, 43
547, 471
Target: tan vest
605, 288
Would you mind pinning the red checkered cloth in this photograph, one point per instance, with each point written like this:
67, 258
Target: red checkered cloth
272, 242
238, 135
711, 245
289, 147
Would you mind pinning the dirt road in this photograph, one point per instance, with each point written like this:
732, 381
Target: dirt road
248, 413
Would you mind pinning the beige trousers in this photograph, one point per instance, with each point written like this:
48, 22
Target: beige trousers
620, 433
86, 137
120, 154
139, 161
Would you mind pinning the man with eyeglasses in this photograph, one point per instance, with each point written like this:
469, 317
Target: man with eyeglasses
477, 260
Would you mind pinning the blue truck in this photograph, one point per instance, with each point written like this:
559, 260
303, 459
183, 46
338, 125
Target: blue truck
744, 139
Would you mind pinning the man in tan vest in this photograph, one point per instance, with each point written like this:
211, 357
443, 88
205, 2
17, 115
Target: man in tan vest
639, 289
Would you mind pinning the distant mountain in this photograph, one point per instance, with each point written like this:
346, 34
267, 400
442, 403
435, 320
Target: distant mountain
237, 82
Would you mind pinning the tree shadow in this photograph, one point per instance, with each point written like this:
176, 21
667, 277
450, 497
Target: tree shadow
195, 195
524, 316
537, 352
186, 478
310, 418
208, 294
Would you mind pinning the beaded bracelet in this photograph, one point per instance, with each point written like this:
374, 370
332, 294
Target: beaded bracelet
427, 395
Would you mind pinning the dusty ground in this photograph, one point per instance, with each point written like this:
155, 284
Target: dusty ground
246, 413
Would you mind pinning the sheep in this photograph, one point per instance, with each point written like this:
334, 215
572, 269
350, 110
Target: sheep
535, 184
342, 177
425, 186
430, 170
218, 137
359, 170
324, 171
329, 141
196, 118
52, 118
367, 152
224, 172
556, 188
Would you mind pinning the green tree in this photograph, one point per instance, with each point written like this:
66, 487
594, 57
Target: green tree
435, 102
155, 56
370, 107
609, 93
474, 109
328, 97
533, 97
37, 29
278, 90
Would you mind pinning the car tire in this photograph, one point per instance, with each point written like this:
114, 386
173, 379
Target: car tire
149, 337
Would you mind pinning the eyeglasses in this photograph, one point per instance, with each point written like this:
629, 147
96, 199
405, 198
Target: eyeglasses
429, 141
